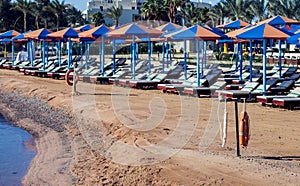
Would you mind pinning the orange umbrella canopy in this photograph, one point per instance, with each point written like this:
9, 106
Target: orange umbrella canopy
37, 34
279, 20
134, 29
195, 32
263, 31
65, 33
234, 33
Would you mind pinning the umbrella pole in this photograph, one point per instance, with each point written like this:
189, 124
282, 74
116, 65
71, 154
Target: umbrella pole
46, 49
264, 66
59, 53
279, 58
203, 56
43, 54
184, 56
237, 57
171, 53
86, 55
167, 55
149, 56
133, 58
241, 61
114, 56
251, 60
5, 54
13, 52
102, 56
163, 57
198, 60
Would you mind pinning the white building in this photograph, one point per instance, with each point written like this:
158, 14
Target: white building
131, 9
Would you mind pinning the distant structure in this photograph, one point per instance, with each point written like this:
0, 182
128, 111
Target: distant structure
131, 9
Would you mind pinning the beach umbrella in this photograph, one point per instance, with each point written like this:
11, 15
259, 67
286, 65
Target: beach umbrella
40, 34
264, 32
65, 34
239, 55
83, 28
279, 20
166, 28
131, 31
234, 25
8, 34
94, 34
197, 33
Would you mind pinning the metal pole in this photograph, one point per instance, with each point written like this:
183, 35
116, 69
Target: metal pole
114, 56
279, 58
163, 57
264, 67
184, 53
102, 56
237, 129
149, 56
251, 60
241, 61
198, 61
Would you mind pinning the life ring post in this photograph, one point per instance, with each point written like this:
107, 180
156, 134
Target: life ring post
237, 129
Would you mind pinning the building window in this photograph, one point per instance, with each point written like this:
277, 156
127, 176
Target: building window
101, 8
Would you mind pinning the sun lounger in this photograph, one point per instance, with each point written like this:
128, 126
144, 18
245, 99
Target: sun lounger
284, 87
208, 91
289, 103
243, 93
146, 84
125, 82
268, 99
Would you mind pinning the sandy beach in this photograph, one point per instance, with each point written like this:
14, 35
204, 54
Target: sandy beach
110, 135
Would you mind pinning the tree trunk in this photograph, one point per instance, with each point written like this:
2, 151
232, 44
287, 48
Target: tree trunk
37, 22
25, 26
57, 22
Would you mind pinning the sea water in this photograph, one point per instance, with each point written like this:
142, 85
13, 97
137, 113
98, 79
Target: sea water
16, 152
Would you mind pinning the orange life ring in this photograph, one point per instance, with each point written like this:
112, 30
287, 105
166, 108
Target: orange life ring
244, 129
69, 80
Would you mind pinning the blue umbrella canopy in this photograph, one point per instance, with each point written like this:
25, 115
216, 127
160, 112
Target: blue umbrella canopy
95, 32
294, 39
5, 40
83, 28
279, 20
9, 34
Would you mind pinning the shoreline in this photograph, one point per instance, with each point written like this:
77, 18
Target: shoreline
45, 139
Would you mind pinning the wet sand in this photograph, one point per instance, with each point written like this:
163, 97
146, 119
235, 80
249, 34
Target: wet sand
72, 153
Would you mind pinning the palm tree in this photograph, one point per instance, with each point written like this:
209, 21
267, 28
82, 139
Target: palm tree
217, 14
172, 7
192, 15
97, 19
23, 6
74, 16
5, 14
58, 9
36, 11
114, 13
258, 9
236, 9
154, 10
287, 8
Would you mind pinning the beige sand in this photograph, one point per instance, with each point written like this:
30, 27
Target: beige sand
73, 157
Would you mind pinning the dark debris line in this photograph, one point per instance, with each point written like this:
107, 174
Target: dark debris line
36, 110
